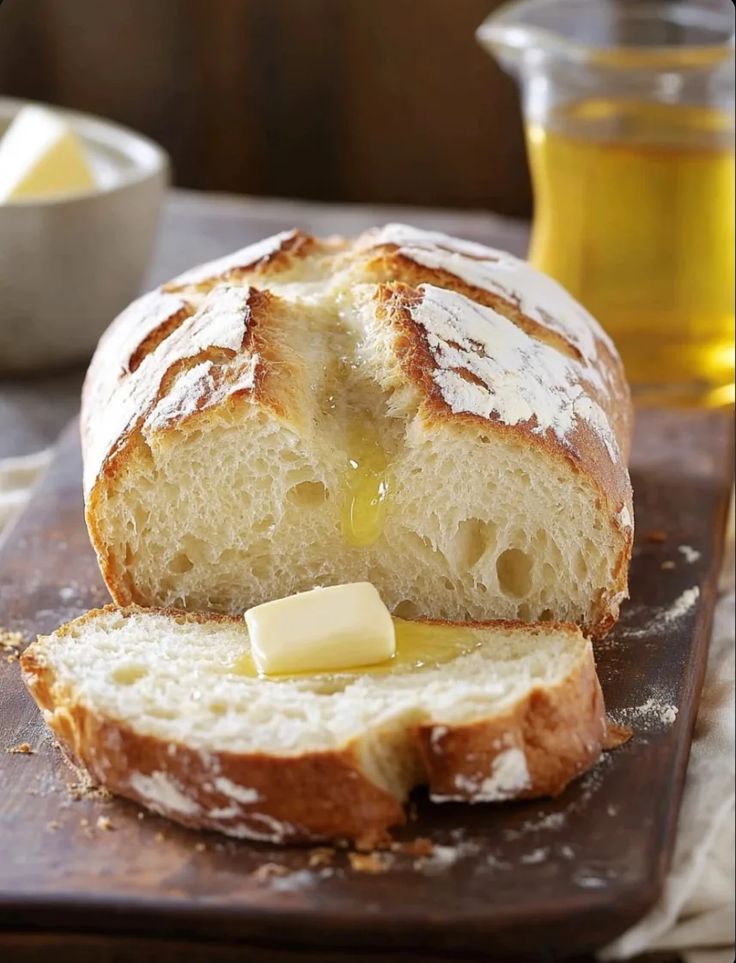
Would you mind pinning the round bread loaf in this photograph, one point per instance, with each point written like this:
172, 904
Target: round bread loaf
425, 413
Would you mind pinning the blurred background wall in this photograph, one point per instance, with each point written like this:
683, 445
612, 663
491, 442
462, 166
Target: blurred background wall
343, 100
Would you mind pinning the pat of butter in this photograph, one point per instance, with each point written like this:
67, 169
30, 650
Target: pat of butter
41, 156
340, 627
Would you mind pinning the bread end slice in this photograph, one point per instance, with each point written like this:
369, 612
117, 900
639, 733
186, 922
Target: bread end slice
146, 702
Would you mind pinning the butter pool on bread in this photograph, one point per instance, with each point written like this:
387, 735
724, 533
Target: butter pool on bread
406, 408
155, 706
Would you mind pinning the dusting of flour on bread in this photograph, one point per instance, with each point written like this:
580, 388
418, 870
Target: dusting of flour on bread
624, 518
241, 794
512, 376
509, 776
535, 294
161, 794
246, 257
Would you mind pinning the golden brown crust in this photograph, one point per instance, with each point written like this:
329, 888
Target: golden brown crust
293, 245
560, 731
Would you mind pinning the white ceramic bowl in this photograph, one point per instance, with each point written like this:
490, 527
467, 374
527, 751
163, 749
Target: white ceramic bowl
69, 265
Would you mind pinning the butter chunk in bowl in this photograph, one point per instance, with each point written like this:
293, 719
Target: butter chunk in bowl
80, 199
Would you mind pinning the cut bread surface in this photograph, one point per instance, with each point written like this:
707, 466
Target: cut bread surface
420, 412
154, 705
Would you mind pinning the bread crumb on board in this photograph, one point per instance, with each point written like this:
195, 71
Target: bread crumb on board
321, 856
10, 644
84, 788
105, 824
22, 749
268, 870
371, 863
10, 641
421, 846
656, 535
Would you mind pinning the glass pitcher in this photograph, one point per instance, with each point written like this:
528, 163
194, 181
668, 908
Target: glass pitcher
629, 115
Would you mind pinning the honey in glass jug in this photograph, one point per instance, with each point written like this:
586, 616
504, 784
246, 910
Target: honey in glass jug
629, 115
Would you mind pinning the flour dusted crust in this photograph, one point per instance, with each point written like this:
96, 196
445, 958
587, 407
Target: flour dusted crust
535, 747
456, 336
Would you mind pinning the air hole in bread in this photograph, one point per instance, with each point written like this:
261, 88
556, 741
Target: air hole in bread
307, 494
580, 566
259, 567
140, 518
181, 563
472, 540
158, 712
217, 602
514, 570
263, 524
218, 708
407, 610
546, 615
128, 674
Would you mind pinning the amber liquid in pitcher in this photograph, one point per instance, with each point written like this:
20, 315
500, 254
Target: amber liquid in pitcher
635, 216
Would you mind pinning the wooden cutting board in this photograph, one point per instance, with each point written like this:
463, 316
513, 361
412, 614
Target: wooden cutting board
536, 879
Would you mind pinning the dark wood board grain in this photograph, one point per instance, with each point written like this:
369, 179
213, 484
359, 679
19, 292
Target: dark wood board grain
533, 880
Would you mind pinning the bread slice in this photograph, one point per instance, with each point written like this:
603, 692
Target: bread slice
150, 703
461, 406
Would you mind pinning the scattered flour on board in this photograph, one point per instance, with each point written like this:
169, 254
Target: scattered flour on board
653, 713
665, 617
682, 604
689, 553
299, 880
550, 821
443, 856
535, 856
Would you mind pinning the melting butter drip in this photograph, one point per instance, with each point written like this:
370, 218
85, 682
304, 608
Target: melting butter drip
419, 645
366, 484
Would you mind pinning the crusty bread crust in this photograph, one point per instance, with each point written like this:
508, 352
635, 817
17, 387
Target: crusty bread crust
560, 730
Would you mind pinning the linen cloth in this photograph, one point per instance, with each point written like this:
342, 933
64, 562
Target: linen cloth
695, 915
